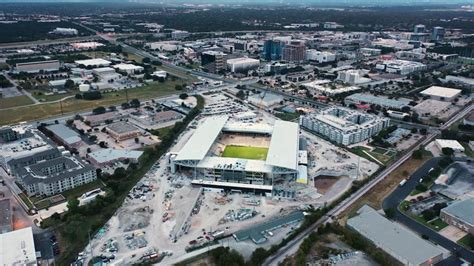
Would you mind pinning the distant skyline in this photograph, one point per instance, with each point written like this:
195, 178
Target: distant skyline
315, 2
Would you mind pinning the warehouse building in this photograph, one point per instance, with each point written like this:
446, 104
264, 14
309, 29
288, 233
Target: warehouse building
51, 177
344, 126
18, 247
400, 243
36, 67
449, 143
129, 68
242, 65
460, 214
97, 62
441, 93
64, 135
365, 98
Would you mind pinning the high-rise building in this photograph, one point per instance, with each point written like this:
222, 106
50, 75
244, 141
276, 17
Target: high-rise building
420, 28
213, 61
272, 50
437, 34
294, 51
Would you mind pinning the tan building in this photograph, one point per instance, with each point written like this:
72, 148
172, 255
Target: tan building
122, 131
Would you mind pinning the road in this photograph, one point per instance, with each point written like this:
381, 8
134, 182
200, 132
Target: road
292, 246
12, 81
394, 199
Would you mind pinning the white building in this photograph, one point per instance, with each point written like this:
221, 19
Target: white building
353, 76
344, 126
129, 68
18, 247
315, 86
167, 46
97, 62
242, 64
65, 31
401, 67
449, 143
320, 56
37, 66
441, 93
179, 34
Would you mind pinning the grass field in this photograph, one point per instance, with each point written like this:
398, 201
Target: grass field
14, 101
73, 105
244, 152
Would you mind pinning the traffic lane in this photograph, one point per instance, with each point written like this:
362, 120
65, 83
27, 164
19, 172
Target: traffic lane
401, 192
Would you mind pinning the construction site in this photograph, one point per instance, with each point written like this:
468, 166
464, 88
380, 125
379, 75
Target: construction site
167, 217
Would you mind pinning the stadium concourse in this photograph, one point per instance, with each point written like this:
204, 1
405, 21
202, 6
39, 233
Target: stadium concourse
241, 156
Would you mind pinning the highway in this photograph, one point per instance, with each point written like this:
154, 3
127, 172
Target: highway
291, 247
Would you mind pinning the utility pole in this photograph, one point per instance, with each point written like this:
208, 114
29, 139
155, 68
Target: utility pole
61, 106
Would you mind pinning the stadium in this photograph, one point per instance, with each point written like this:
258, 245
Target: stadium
240, 156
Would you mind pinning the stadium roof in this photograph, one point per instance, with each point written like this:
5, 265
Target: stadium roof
283, 150
393, 238
201, 141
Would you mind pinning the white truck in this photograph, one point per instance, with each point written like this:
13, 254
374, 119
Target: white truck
403, 182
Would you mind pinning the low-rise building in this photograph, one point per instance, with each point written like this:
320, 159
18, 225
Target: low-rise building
441, 93
396, 240
96, 120
97, 62
18, 247
64, 135
449, 143
344, 126
37, 66
469, 119
122, 131
51, 177
460, 214
361, 98
401, 67
65, 31
108, 157
320, 56
353, 76
129, 68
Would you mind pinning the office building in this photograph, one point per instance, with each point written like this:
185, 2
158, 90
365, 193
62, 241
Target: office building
179, 34
420, 28
294, 52
353, 76
460, 214
272, 50
396, 240
344, 126
242, 65
401, 67
437, 34
54, 176
213, 61
320, 56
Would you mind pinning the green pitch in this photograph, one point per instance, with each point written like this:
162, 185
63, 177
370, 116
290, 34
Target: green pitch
244, 152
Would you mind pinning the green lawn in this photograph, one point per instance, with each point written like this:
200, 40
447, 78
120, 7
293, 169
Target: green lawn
14, 101
467, 241
244, 152
77, 192
436, 225
467, 150
73, 105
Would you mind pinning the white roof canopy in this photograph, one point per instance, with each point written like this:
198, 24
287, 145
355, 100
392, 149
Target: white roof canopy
283, 150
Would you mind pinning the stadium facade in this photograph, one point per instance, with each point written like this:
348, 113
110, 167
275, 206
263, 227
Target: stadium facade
202, 156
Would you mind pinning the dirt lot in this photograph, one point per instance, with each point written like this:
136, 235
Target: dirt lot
324, 184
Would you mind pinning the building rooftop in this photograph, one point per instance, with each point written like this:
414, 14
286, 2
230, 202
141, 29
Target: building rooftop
406, 246
66, 134
17, 247
121, 127
6, 217
441, 92
107, 155
371, 99
93, 62
201, 141
450, 143
242, 60
462, 210
283, 150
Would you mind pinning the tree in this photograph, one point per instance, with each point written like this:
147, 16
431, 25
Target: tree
183, 96
73, 205
146, 60
447, 151
137, 140
125, 105
414, 130
112, 108
423, 131
99, 110
390, 213
178, 87
135, 103
418, 154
